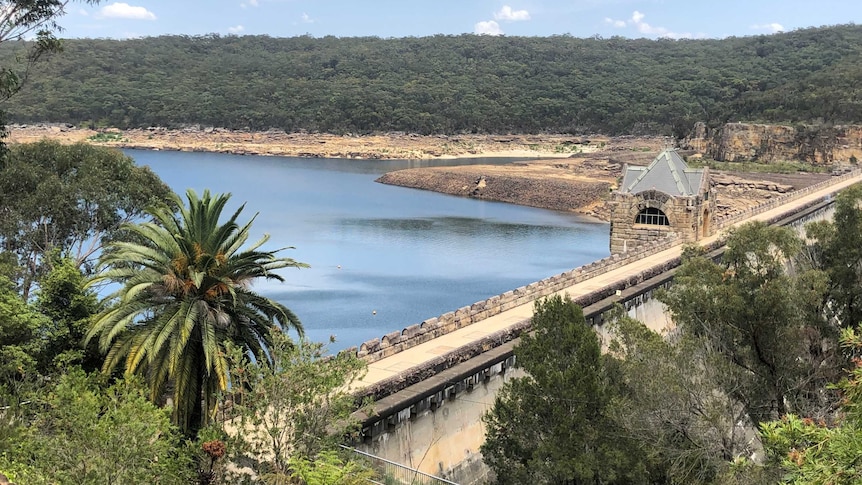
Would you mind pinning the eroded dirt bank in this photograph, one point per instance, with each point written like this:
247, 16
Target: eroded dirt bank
560, 172
581, 184
540, 184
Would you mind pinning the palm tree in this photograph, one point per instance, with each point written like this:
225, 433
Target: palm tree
184, 291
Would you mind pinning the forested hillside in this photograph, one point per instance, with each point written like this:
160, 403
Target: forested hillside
448, 84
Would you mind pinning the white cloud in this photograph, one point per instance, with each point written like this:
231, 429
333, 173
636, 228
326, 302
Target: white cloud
506, 13
249, 3
637, 21
616, 23
236, 29
121, 10
306, 19
772, 27
488, 27
83, 12
645, 28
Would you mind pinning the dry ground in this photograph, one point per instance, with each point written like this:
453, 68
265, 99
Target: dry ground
274, 142
562, 172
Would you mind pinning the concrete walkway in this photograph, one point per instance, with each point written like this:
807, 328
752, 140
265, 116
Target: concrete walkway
397, 363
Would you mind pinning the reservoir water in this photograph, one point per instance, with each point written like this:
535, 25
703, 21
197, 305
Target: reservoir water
382, 257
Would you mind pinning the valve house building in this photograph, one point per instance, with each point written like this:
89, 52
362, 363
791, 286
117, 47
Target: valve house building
666, 197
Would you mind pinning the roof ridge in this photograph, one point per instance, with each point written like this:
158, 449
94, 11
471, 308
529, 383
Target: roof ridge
676, 177
679, 174
643, 173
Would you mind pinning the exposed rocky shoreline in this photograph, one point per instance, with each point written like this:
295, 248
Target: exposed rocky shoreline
480, 183
581, 185
390, 146
559, 172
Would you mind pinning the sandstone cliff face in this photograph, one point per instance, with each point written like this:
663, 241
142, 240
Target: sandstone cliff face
742, 142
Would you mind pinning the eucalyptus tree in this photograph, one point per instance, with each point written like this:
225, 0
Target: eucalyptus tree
837, 248
764, 315
27, 19
184, 291
555, 424
68, 199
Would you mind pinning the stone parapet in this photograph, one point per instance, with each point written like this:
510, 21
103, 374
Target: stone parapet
470, 350
416, 334
413, 335
727, 221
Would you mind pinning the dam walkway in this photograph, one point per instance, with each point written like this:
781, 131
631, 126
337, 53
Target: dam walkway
389, 372
432, 383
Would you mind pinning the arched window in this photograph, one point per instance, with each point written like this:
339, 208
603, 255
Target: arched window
652, 216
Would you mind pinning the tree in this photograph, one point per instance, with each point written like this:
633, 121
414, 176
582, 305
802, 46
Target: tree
83, 431
836, 248
69, 308
814, 451
676, 406
297, 405
763, 315
20, 345
58, 199
39, 337
553, 425
184, 293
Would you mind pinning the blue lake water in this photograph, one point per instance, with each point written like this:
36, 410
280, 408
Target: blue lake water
405, 254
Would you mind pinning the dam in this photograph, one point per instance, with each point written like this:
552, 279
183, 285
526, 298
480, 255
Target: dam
432, 382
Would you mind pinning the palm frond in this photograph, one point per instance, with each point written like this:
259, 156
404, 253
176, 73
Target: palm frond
184, 290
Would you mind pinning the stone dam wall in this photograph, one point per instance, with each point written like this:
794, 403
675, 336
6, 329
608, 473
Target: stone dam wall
416, 334
430, 418
394, 342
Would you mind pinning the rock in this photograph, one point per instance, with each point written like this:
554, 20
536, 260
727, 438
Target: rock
741, 142
508, 184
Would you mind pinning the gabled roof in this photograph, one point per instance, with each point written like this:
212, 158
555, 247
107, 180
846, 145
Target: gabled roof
668, 173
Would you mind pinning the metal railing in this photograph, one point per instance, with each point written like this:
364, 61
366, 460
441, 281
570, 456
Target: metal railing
392, 473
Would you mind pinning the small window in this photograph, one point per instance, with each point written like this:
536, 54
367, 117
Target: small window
652, 216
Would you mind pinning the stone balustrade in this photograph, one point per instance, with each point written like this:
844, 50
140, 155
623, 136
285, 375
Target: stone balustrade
727, 221
396, 341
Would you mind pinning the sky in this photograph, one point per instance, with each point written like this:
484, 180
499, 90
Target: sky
404, 18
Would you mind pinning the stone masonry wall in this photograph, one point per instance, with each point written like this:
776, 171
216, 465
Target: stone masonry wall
396, 341
685, 221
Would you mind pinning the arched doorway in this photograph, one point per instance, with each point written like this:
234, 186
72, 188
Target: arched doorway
705, 225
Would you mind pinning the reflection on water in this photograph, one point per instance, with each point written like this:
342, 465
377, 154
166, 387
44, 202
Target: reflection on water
406, 254
455, 226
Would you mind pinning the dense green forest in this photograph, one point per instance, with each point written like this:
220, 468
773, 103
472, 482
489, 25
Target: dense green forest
447, 84
761, 381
